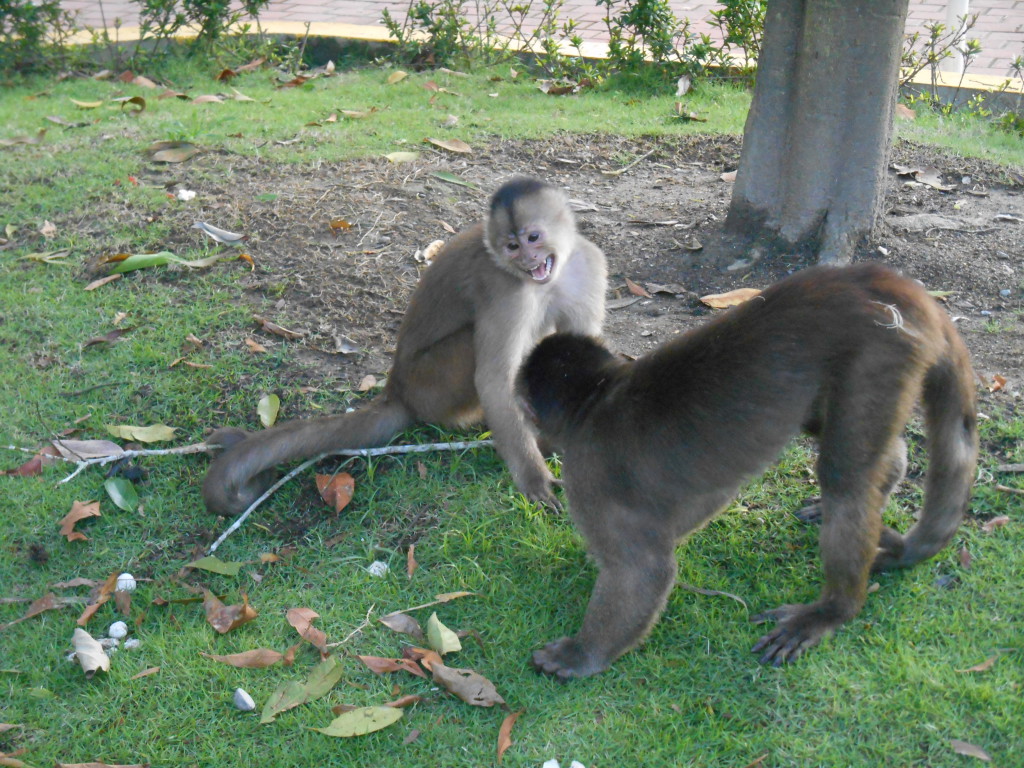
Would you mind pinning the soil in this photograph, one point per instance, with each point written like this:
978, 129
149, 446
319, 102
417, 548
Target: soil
345, 286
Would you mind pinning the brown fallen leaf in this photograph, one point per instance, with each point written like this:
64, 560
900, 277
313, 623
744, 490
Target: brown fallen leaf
302, 620
47, 602
224, 618
397, 76
424, 656
254, 346
368, 382
451, 145
996, 522
257, 658
404, 624
107, 338
410, 561
336, 490
971, 750
80, 510
102, 281
145, 673
472, 687
89, 653
381, 665
637, 290
998, 383
99, 597
505, 733
730, 298
79, 581
984, 666
404, 701
33, 466
272, 327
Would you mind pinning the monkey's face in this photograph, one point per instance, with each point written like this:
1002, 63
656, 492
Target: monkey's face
533, 235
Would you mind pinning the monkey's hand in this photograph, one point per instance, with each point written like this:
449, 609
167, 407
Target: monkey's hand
539, 488
566, 658
799, 627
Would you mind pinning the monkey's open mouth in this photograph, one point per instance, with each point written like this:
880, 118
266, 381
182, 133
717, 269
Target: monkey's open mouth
542, 272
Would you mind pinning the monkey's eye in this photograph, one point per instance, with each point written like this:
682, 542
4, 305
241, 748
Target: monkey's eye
534, 237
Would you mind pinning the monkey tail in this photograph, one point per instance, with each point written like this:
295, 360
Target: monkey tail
952, 433
245, 469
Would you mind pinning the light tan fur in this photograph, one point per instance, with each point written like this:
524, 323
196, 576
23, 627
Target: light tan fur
491, 293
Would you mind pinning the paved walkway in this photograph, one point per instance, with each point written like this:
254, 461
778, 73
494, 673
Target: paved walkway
1000, 25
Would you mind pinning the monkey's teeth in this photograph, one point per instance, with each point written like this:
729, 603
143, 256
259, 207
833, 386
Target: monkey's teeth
542, 271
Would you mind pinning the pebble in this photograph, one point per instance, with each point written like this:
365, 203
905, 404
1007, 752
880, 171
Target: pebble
1005, 292
117, 630
377, 568
243, 701
109, 643
132, 643
126, 583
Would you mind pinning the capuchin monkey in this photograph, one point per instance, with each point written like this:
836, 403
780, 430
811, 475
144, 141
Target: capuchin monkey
654, 448
491, 293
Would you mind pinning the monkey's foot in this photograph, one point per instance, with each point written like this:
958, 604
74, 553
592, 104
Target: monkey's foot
810, 512
566, 658
798, 628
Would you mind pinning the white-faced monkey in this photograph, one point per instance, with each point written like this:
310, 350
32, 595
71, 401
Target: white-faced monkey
491, 293
654, 448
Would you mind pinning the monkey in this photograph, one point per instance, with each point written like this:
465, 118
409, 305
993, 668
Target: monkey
490, 294
653, 449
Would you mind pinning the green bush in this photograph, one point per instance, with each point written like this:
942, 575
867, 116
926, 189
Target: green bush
33, 35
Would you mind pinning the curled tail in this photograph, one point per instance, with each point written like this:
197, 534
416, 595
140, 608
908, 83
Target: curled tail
245, 469
952, 433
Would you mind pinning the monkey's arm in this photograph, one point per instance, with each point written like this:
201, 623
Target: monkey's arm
502, 335
583, 286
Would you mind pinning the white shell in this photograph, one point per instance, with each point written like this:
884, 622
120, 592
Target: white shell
117, 630
243, 701
377, 568
126, 582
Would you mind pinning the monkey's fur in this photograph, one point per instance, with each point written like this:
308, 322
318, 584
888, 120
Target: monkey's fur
491, 293
654, 448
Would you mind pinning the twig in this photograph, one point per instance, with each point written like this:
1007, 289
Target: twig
101, 460
365, 452
1008, 489
621, 171
366, 622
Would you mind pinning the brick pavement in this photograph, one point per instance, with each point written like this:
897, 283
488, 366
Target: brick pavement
1000, 26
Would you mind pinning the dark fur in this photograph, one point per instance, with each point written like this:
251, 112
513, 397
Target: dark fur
653, 449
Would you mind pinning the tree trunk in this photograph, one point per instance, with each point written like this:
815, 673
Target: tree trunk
816, 141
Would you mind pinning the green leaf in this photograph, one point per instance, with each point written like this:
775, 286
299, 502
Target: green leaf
216, 565
440, 638
359, 722
122, 493
268, 408
288, 695
402, 157
451, 178
163, 258
151, 434
324, 676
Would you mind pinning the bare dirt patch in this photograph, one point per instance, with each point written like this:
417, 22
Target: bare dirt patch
346, 286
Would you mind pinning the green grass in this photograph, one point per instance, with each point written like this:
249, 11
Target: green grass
886, 690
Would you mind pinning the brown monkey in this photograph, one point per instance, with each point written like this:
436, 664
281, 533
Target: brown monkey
653, 449
491, 293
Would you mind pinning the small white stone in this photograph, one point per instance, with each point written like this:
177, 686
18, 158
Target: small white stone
126, 582
185, 195
109, 643
377, 568
243, 701
132, 643
117, 630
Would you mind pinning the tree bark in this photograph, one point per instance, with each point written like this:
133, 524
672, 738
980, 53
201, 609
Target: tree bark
817, 138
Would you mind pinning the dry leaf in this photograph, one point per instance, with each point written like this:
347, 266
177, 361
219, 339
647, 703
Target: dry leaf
224, 618
89, 653
505, 732
452, 145
369, 381
984, 666
380, 665
302, 620
257, 658
359, 722
410, 561
425, 656
637, 290
996, 522
102, 595
80, 510
730, 298
397, 76
271, 327
402, 157
254, 346
79, 450
336, 490
47, 602
403, 624
467, 685
404, 701
971, 750
998, 383
145, 673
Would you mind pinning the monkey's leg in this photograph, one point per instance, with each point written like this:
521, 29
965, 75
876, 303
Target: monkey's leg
855, 464
896, 470
637, 572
